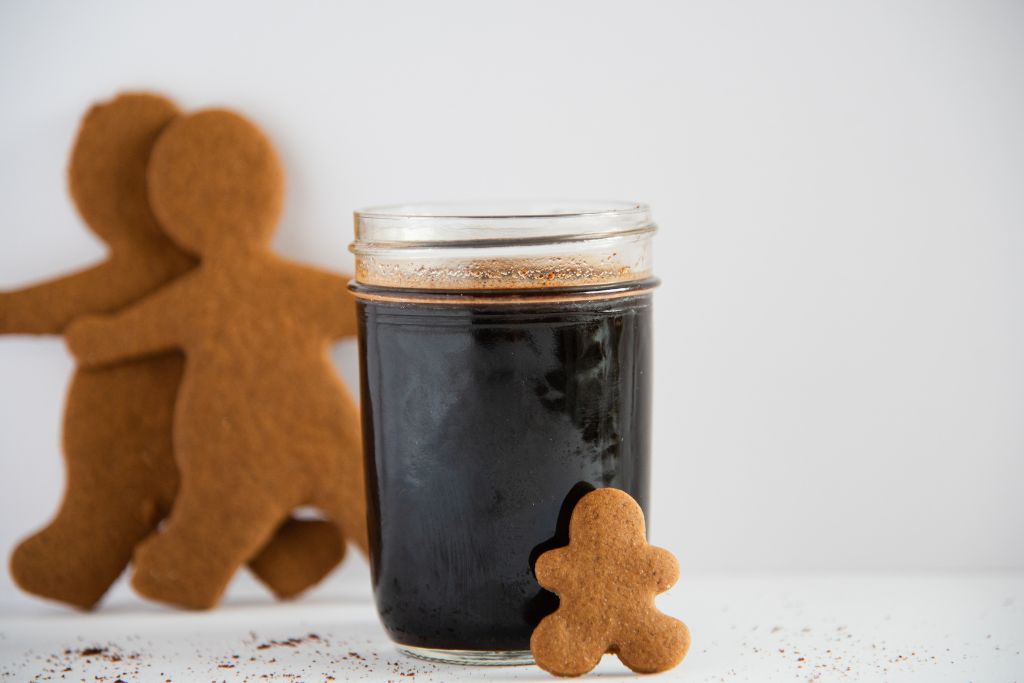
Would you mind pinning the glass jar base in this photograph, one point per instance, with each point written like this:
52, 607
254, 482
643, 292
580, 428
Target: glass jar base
469, 657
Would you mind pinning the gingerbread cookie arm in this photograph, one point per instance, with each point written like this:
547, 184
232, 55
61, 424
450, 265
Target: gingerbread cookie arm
328, 301
49, 307
663, 567
551, 567
148, 327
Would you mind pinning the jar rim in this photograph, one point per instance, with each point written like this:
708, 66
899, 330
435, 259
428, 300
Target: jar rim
496, 222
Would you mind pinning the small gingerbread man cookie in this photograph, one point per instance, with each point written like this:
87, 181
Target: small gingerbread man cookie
606, 580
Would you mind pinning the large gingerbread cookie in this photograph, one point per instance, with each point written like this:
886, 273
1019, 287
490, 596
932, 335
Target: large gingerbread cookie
262, 422
121, 474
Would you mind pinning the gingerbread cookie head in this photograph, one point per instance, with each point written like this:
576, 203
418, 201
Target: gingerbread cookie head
215, 183
107, 173
606, 580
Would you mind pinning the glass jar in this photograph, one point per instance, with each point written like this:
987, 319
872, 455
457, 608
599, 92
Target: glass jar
505, 367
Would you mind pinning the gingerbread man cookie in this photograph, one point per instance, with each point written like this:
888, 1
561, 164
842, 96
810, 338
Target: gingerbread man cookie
121, 475
262, 422
606, 580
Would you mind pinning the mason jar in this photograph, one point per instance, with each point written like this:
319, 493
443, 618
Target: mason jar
505, 371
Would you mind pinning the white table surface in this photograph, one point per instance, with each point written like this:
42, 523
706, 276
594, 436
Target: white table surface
751, 628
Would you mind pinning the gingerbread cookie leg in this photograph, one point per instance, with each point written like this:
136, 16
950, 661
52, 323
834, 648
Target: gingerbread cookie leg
120, 480
300, 554
647, 655
191, 561
61, 564
559, 645
345, 499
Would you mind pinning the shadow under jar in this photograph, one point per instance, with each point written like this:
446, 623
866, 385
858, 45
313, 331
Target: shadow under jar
505, 367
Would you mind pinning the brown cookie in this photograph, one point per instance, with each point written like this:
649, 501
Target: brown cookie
262, 422
606, 580
121, 475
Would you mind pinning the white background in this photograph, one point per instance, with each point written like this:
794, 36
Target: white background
840, 190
